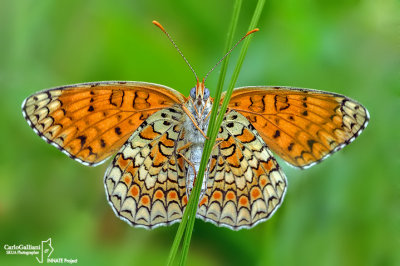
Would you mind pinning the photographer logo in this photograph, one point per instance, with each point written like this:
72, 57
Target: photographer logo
41, 252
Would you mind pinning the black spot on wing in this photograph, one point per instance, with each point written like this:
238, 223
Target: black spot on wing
310, 143
82, 139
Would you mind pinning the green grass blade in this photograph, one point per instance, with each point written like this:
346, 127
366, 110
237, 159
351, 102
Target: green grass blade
212, 133
177, 240
243, 51
224, 67
183, 224
191, 209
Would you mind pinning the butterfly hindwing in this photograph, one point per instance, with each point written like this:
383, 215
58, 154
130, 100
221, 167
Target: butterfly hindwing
146, 183
91, 121
245, 183
302, 126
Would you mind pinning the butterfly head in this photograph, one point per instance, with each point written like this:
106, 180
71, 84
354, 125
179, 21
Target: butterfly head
199, 93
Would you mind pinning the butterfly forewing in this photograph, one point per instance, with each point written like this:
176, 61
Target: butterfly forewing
245, 183
146, 182
91, 121
300, 125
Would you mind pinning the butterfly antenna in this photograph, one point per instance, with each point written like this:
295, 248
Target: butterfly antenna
222, 59
172, 41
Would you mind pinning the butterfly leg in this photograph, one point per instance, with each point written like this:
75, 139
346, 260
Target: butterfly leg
217, 142
195, 109
187, 145
228, 110
207, 116
201, 115
193, 121
190, 163
184, 147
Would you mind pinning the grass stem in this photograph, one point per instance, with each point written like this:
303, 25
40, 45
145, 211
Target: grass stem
216, 117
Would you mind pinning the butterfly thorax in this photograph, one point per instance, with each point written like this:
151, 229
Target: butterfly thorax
199, 107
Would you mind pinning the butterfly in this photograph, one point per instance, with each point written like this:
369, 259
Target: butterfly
158, 136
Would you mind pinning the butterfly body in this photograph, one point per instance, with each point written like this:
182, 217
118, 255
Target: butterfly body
158, 137
196, 126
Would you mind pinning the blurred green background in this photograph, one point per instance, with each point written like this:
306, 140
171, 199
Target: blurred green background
344, 211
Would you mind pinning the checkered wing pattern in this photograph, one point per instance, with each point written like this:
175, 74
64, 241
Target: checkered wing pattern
146, 182
245, 184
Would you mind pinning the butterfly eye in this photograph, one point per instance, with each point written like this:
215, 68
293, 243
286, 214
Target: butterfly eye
206, 94
193, 93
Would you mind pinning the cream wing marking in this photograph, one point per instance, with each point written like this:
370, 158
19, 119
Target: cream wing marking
146, 183
245, 184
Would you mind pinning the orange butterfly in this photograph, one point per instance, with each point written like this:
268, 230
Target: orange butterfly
158, 135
